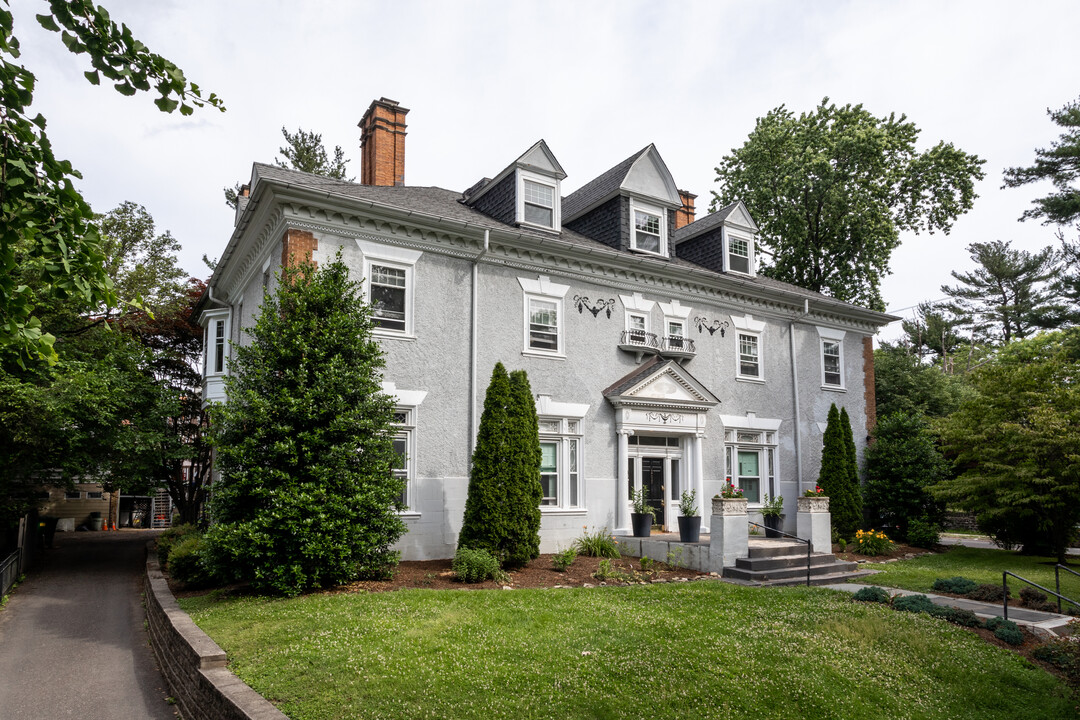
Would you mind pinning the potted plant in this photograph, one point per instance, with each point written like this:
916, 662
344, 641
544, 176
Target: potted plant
730, 500
642, 517
772, 510
689, 520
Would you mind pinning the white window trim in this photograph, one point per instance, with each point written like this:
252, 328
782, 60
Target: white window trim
750, 250
733, 425
826, 334
636, 205
553, 183
563, 440
401, 259
210, 354
543, 289
760, 377
408, 402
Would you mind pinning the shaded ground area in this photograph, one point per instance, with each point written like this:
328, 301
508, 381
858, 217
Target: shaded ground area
72, 637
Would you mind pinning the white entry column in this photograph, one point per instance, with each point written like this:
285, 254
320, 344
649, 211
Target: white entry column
621, 521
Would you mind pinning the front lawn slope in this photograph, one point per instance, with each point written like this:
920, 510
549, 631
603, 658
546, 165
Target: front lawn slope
701, 650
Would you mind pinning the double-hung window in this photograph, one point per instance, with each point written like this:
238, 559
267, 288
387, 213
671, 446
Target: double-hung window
543, 316
649, 231
219, 346
739, 254
539, 203
750, 462
832, 358
390, 286
749, 356
404, 430
560, 463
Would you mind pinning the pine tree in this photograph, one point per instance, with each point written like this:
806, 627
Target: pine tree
485, 523
523, 480
854, 489
306, 496
835, 476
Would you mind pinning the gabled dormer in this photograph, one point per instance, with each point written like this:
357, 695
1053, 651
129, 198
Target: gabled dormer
630, 207
723, 241
526, 193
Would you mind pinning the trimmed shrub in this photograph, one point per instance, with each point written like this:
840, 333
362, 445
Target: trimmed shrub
835, 479
168, 539
475, 565
564, 559
902, 464
1032, 598
184, 561
1062, 653
601, 544
955, 585
995, 622
913, 603
922, 533
988, 593
958, 616
1011, 635
872, 594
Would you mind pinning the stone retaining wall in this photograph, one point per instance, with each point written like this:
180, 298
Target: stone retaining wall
194, 665
961, 521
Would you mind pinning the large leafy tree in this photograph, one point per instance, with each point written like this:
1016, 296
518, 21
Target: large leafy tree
832, 189
44, 221
904, 384
142, 265
1016, 444
307, 496
1060, 164
304, 151
1010, 294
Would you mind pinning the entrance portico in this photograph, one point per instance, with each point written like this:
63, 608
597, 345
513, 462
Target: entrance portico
660, 419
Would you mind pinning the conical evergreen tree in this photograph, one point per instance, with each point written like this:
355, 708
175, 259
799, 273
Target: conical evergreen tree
523, 474
484, 526
854, 484
835, 476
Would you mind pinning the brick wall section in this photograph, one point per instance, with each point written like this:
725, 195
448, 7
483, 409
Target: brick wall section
608, 223
500, 202
685, 215
868, 384
297, 246
707, 250
194, 665
382, 143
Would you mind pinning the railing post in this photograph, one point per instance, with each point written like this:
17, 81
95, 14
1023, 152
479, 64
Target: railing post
1057, 585
1004, 596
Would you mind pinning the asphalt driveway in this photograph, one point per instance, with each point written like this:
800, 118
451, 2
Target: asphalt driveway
73, 642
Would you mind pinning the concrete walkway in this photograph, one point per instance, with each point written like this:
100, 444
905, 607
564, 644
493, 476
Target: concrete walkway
981, 541
1037, 621
73, 642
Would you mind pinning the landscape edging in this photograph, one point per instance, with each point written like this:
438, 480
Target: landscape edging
192, 664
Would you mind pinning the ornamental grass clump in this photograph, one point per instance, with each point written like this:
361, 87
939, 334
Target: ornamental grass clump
601, 544
872, 542
954, 585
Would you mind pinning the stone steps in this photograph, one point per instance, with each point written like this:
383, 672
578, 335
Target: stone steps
780, 562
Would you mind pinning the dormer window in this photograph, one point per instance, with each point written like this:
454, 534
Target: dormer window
537, 200
650, 230
738, 254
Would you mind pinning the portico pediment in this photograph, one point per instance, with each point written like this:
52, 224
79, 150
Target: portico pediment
661, 384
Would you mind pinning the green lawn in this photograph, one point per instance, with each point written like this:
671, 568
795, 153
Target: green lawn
695, 650
982, 566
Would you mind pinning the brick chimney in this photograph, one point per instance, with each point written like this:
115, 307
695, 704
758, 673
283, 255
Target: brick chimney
685, 215
382, 143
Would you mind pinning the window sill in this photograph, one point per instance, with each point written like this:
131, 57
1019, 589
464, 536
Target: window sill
651, 253
539, 354
834, 388
408, 514
535, 226
751, 380
393, 335
562, 511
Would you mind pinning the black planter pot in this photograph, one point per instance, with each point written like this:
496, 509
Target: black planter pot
642, 524
772, 525
689, 528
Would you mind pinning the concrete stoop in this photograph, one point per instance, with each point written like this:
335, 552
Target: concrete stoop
769, 562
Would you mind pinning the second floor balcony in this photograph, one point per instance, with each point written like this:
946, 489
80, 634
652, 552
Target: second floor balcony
643, 343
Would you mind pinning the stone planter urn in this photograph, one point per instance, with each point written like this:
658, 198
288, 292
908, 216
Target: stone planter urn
729, 506
818, 504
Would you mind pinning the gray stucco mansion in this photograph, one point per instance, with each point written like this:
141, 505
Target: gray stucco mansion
659, 358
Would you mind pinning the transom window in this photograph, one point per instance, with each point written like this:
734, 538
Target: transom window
560, 463
749, 356
647, 231
543, 324
830, 358
539, 203
388, 295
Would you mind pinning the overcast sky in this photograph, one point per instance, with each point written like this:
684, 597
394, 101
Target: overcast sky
597, 80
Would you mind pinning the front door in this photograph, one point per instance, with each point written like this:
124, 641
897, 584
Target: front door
653, 480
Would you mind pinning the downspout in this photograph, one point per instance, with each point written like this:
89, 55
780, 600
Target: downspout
475, 339
795, 394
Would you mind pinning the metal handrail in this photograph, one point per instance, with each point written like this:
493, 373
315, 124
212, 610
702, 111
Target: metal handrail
1057, 579
809, 546
676, 343
1005, 593
9, 572
640, 338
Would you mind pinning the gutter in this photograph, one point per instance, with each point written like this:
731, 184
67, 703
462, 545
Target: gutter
795, 395
474, 340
